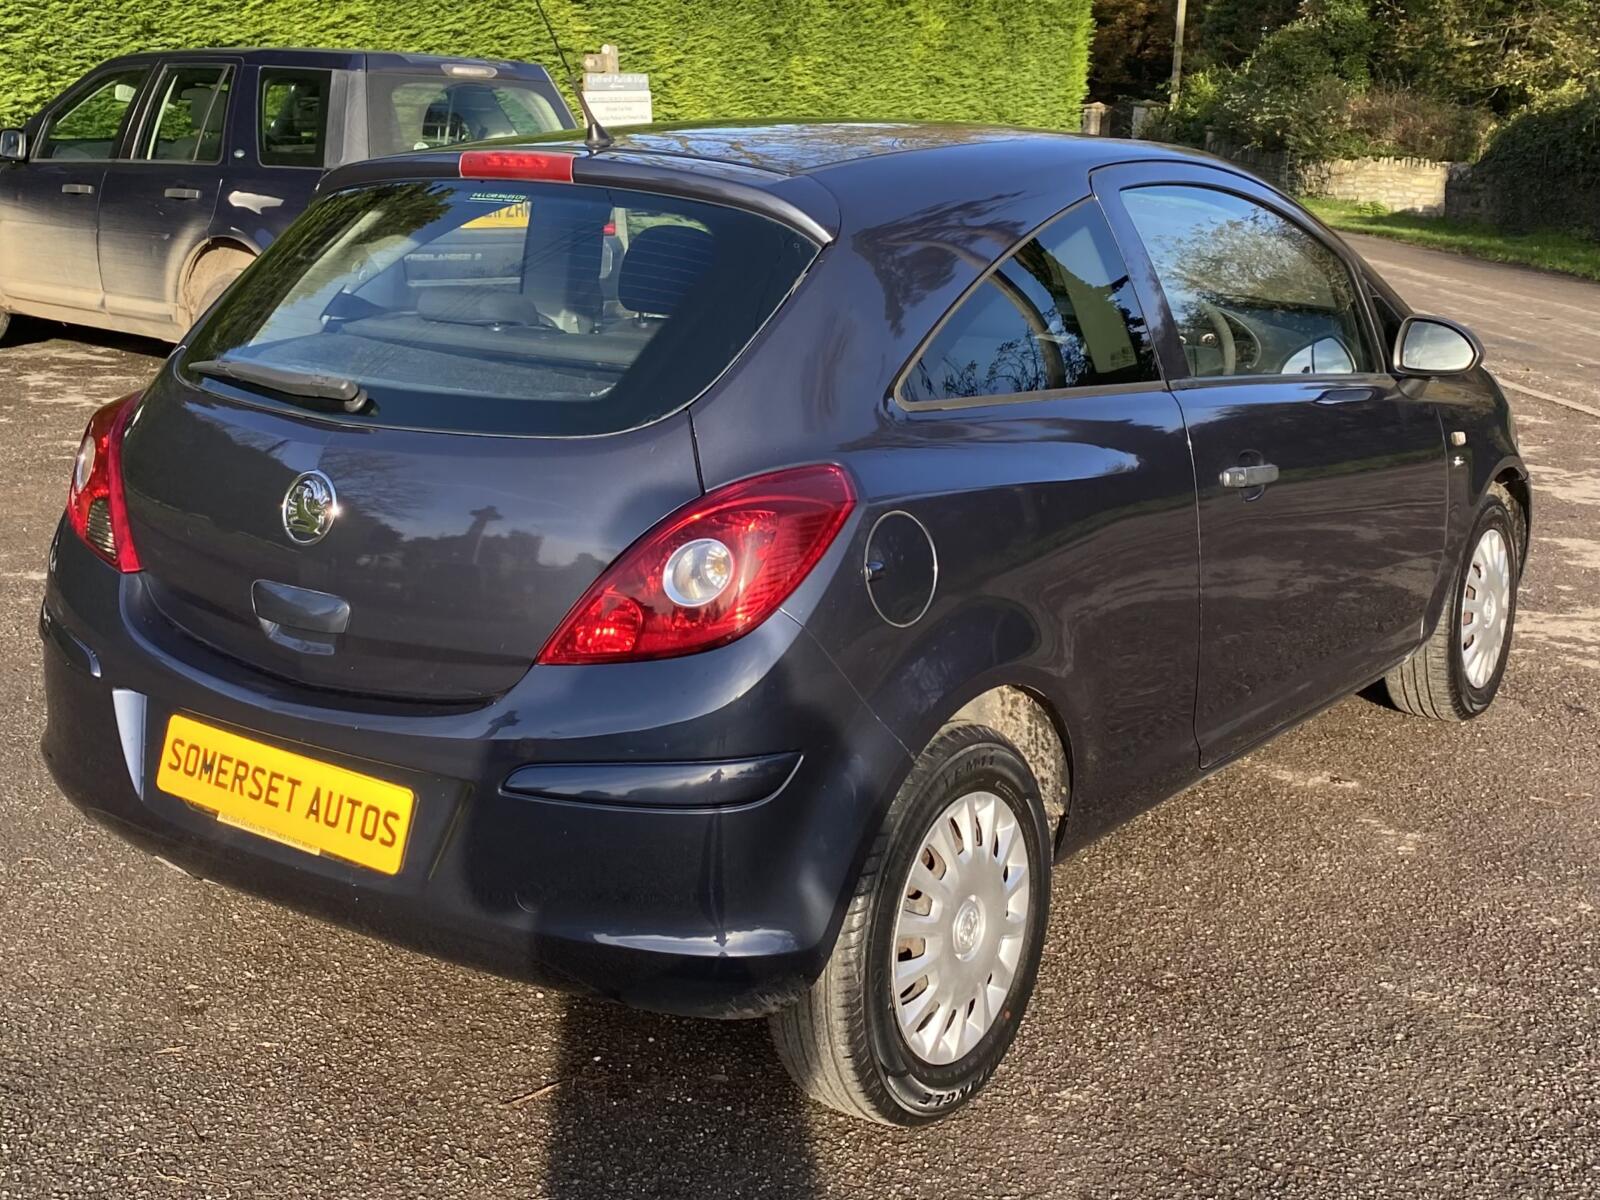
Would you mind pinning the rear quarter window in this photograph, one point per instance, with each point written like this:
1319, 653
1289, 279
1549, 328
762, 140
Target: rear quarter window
541, 309
1058, 312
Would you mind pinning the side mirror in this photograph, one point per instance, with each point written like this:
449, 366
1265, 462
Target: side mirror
1435, 346
13, 145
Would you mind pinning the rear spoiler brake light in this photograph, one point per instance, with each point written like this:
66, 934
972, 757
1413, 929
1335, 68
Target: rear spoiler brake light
517, 164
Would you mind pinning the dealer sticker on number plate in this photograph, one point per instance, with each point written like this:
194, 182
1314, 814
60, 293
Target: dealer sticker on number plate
311, 805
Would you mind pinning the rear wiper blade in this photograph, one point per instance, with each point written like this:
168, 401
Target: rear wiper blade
349, 394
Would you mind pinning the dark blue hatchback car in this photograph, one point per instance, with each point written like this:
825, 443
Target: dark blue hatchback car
724, 571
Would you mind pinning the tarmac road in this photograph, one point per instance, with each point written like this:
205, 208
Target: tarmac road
1363, 962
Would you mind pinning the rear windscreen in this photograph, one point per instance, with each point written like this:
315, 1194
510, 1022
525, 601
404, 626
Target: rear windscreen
407, 112
546, 309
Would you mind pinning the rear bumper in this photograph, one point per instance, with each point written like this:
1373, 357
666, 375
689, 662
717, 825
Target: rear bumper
669, 893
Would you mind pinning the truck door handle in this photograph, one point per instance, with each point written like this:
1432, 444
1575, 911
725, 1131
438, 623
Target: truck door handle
78, 189
181, 193
1249, 477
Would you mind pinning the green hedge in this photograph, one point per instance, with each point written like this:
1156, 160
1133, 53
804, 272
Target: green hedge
1014, 61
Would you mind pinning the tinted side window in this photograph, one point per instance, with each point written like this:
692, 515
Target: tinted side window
89, 128
187, 122
1250, 292
294, 118
1058, 313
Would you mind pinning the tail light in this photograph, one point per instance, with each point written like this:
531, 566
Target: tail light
96, 505
710, 572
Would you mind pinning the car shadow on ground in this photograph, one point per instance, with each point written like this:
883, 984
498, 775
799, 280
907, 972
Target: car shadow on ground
648, 1105
30, 331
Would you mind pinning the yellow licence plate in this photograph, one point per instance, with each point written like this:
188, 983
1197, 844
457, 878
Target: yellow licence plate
310, 805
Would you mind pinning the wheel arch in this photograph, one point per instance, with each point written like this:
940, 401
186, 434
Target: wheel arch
1513, 477
988, 663
1029, 721
209, 245
186, 306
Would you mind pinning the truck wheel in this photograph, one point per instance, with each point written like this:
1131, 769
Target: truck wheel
5, 324
210, 277
1454, 675
940, 945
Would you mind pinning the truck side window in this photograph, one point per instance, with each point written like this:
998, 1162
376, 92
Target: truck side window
193, 112
294, 118
90, 128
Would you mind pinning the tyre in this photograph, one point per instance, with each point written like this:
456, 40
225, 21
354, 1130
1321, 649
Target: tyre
1455, 674
940, 945
5, 324
211, 276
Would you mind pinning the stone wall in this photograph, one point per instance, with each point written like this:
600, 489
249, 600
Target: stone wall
1409, 185
1415, 185
1467, 198
1274, 166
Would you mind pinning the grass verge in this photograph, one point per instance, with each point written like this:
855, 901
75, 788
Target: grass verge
1564, 252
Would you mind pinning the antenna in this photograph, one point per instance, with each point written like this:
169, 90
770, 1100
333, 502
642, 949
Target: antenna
595, 136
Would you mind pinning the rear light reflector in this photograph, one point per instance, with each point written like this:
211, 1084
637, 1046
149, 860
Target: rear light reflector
516, 164
96, 506
710, 572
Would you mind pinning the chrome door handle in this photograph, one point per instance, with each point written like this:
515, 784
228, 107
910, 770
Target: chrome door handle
180, 193
1249, 477
78, 189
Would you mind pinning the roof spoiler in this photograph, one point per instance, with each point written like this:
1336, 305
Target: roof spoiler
817, 218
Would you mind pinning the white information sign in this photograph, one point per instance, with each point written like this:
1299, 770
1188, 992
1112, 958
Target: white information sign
618, 98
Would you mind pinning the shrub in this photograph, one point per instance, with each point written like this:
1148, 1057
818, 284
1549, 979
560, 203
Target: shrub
1307, 90
1542, 168
1186, 121
1288, 97
1293, 93
1394, 120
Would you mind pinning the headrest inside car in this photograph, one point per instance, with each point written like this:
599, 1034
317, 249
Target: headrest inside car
662, 264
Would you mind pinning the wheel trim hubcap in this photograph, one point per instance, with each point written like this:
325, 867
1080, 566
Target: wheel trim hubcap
959, 934
1485, 607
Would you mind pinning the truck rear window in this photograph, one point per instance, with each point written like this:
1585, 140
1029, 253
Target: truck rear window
409, 113
525, 308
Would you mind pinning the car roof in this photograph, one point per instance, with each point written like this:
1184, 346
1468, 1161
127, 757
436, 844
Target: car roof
811, 174
371, 60
789, 148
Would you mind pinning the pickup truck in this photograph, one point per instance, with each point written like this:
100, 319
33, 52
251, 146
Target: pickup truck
137, 195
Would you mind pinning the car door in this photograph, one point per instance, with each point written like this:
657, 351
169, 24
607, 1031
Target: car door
1322, 485
49, 205
288, 127
158, 201
1041, 392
